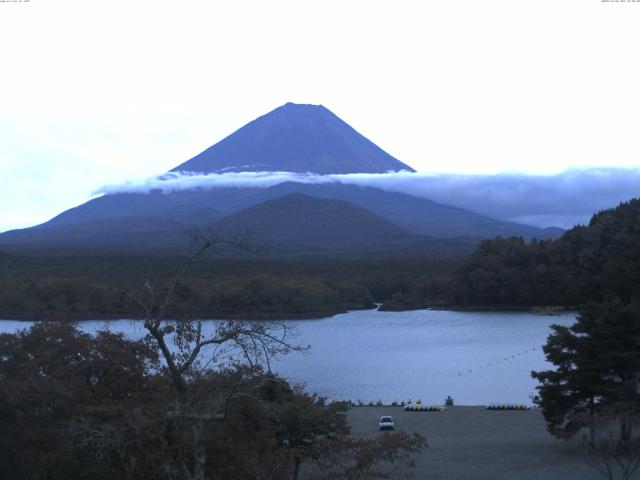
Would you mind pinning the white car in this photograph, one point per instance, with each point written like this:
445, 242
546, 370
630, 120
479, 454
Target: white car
386, 423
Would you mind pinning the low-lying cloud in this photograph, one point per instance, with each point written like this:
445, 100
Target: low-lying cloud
563, 199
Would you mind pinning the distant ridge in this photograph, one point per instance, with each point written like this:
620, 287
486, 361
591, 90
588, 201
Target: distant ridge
295, 138
303, 219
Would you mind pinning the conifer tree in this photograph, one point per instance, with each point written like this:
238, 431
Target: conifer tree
597, 364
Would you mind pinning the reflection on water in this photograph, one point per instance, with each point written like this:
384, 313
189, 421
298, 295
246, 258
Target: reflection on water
476, 357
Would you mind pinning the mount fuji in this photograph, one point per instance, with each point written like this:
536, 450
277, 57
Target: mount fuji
291, 138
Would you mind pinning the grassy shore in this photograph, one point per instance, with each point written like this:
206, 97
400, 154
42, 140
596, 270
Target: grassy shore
472, 443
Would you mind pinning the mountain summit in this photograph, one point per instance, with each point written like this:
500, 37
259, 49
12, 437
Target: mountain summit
295, 138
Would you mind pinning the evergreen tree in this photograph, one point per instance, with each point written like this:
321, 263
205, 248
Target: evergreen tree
597, 368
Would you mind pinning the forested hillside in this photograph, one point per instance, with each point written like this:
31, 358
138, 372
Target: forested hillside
586, 263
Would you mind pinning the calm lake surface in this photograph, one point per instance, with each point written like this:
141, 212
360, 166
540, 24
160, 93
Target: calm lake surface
476, 357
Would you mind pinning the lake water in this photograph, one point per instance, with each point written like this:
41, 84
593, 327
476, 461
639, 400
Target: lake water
476, 357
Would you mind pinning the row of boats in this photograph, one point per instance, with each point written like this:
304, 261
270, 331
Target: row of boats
420, 407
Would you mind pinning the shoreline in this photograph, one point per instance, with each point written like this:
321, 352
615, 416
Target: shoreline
256, 316
538, 309
313, 315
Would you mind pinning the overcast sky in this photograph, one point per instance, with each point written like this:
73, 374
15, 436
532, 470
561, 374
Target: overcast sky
96, 93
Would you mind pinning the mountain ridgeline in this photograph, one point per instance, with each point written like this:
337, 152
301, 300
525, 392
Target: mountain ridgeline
293, 138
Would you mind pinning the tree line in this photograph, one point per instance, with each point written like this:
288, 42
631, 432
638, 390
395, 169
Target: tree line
72, 287
265, 296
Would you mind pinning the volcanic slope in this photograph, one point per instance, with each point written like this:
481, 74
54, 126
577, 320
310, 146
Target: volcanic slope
295, 138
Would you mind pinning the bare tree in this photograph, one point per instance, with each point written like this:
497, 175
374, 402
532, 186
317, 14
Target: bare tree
611, 447
189, 351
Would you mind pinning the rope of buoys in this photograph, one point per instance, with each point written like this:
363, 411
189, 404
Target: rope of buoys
497, 362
